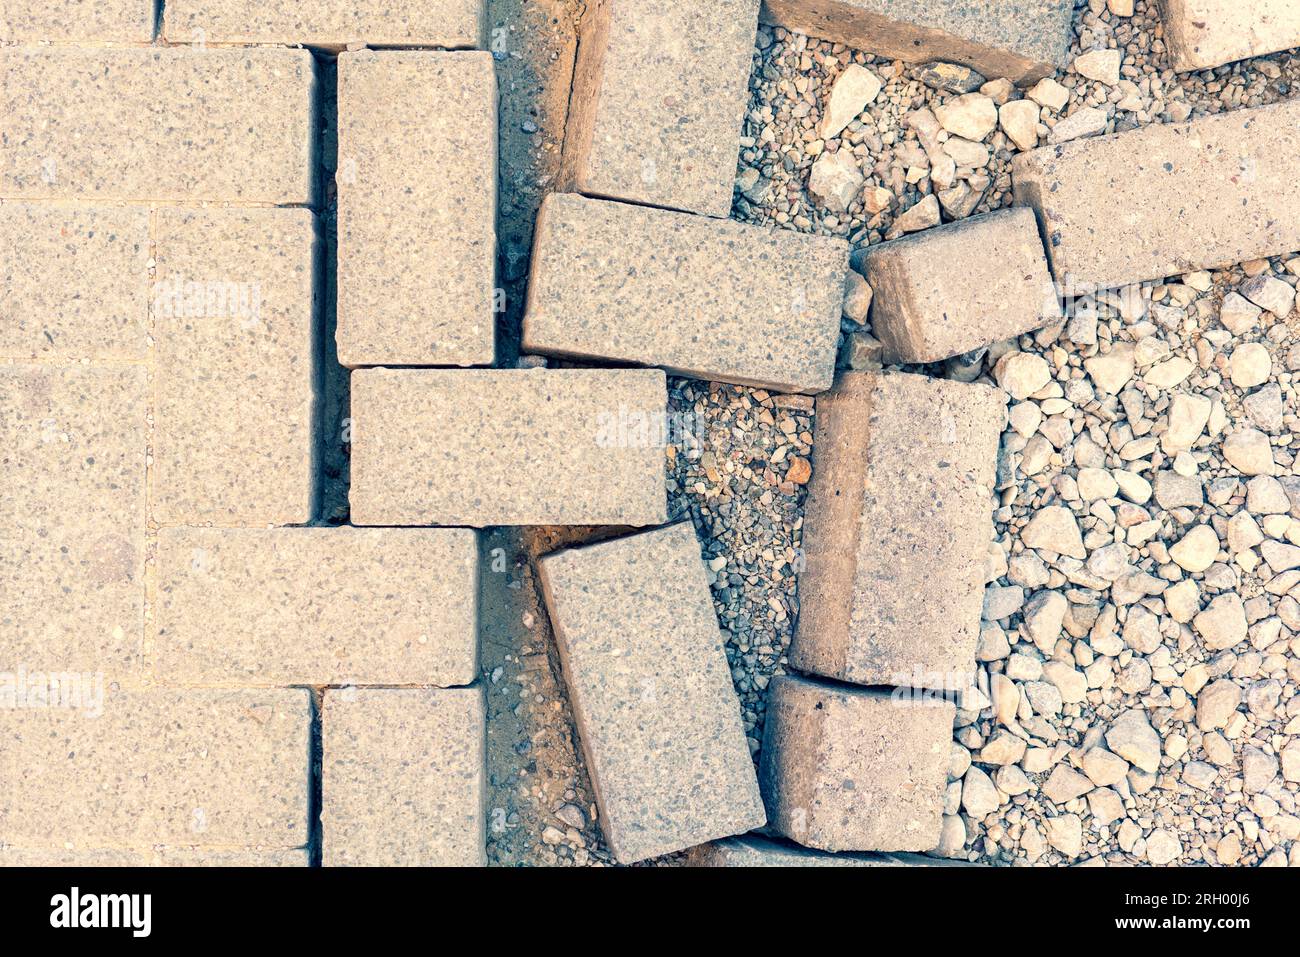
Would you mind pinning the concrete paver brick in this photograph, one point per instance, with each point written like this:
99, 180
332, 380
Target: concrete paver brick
153, 857
751, 850
77, 21
482, 447
417, 208
701, 297
404, 777
1202, 34
653, 699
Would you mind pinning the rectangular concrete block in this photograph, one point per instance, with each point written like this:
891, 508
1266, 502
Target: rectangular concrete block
72, 549
153, 857
234, 395
316, 606
328, 23
851, 769
752, 850
651, 691
1202, 34
508, 447
157, 123
701, 297
676, 147
404, 778
1166, 199
417, 188
1022, 40
945, 291
77, 21
897, 529
221, 768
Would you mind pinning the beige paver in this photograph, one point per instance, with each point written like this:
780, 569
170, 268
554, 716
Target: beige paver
945, 291
701, 297
225, 768
157, 123
417, 186
404, 778
1167, 199
482, 447
848, 769
651, 691
328, 23
153, 857
77, 21
317, 606
675, 146
897, 529
1202, 34
73, 518
234, 366
751, 850
1022, 40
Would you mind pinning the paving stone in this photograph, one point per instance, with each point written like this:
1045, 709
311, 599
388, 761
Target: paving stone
949, 290
1023, 40
234, 366
76, 282
897, 530
675, 147
508, 447
316, 606
416, 208
157, 123
1104, 204
1202, 34
153, 857
653, 699
701, 297
113, 21
328, 23
847, 769
404, 777
225, 768
750, 850
72, 552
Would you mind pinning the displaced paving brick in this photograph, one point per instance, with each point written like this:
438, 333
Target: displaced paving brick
153, 857
328, 23
157, 123
416, 208
897, 530
701, 297
653, 700
1202, 34
676, 147
228, 768
119, 21
482, 447
948, 290
847, 769
317, 606
234, 376
1023, 40
404, 778
72, 551
750, 850
1167, 199
76, 282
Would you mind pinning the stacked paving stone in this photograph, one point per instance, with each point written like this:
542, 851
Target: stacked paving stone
1207, 33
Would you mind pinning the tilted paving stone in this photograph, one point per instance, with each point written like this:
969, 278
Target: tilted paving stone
234, 366
417, 187
848, 769
652, 694
404, 777
700, 297
328, 23
751, 850
116, 21
317, 606
897, 529
1167, 199
157, 123
483, 447
153, 857
175, 767
659, 96
949, 290
1022, 40
1202, 34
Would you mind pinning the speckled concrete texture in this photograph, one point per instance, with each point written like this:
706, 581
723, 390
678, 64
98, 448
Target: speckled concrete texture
847, 769
897, 528
651, 691
700, 297
1202, 34
417, 192
404, 778
328, 23
76, 21
752, 850
153, 857
508, 447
